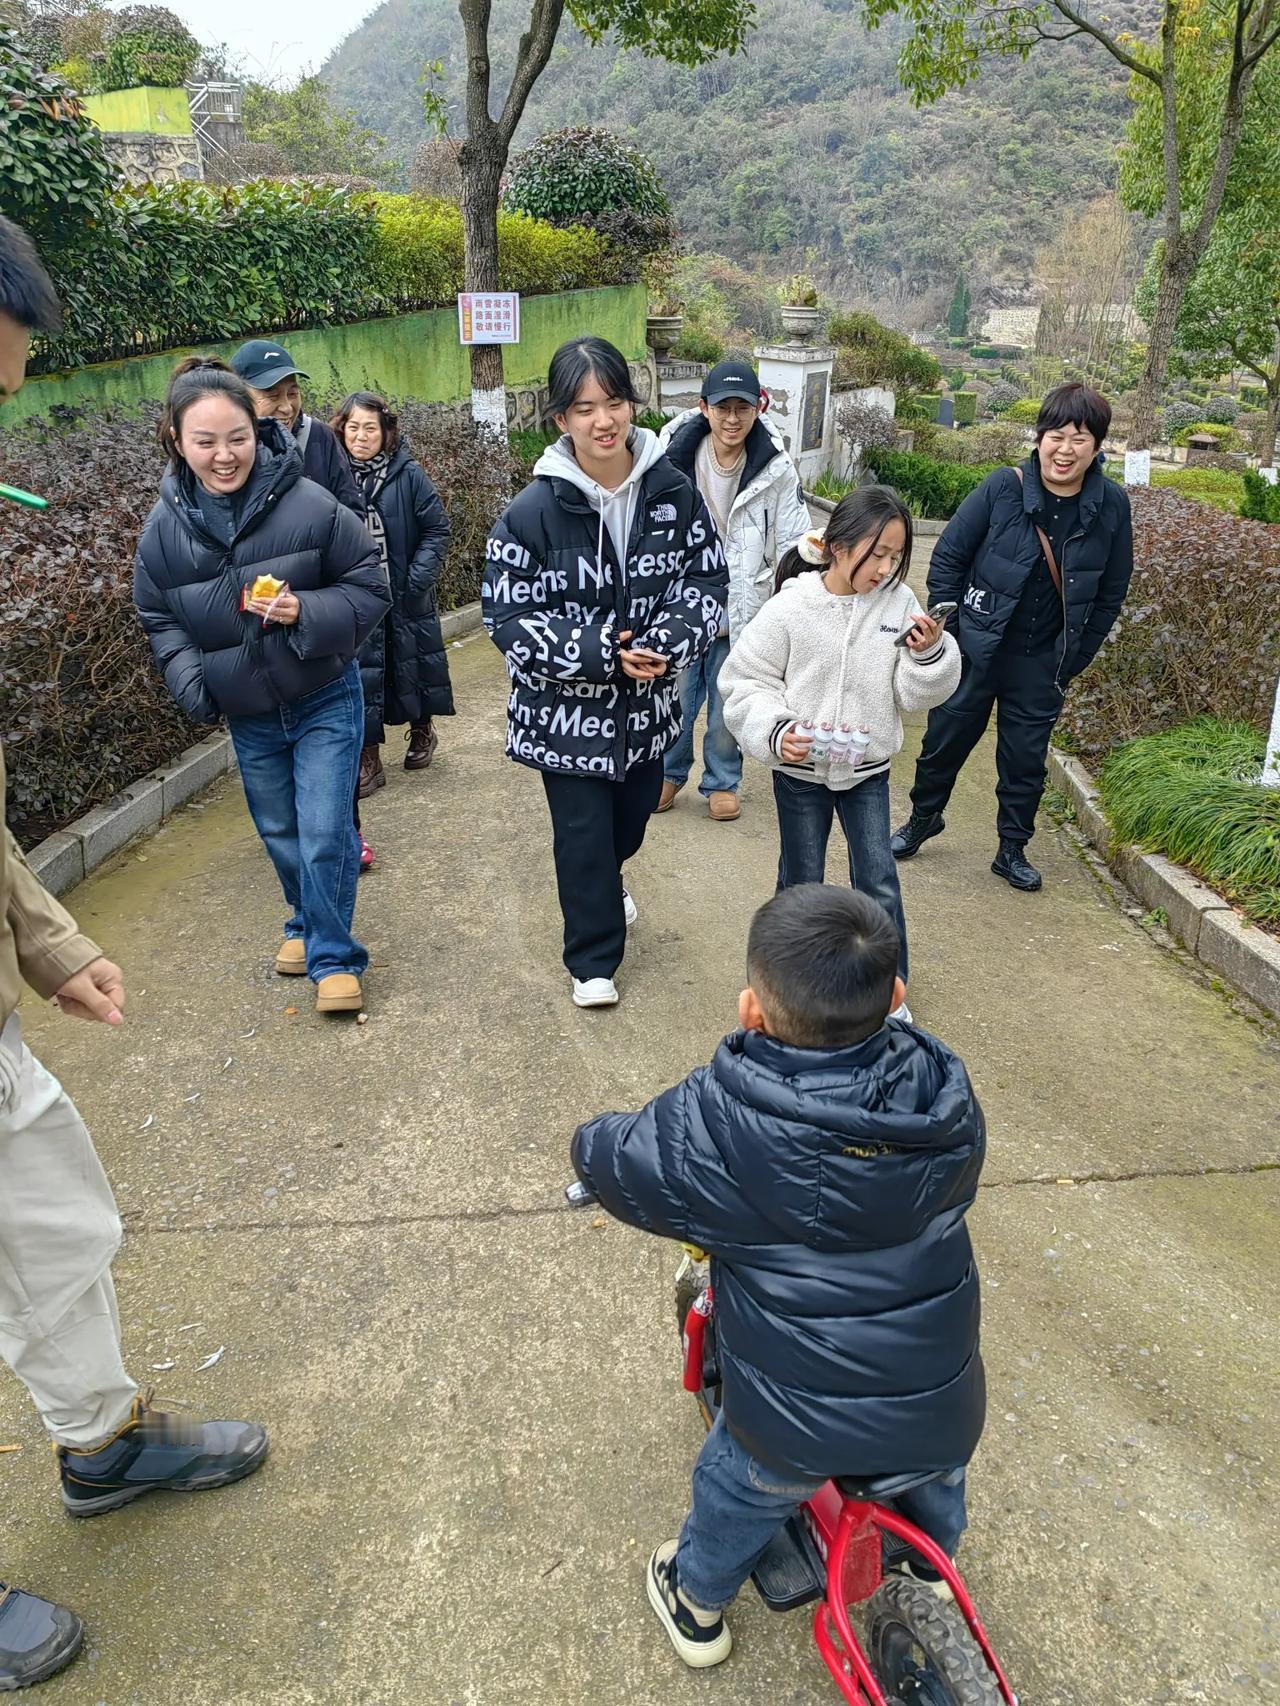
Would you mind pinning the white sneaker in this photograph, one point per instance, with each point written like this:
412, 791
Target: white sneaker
903, 1012
629, 909
595, 992
936, 1586
701, 1638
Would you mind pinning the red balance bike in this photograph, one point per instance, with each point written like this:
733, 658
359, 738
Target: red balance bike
920, 1649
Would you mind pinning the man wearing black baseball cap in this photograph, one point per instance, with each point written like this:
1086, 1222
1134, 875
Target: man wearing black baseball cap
738, 461
269, 371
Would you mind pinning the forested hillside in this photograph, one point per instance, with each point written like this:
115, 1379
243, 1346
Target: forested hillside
805, 141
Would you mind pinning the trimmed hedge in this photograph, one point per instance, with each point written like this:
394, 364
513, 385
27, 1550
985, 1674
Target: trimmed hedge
966, 403
1197, 629
1261, 500
1215, 429
179, 264
1025, 412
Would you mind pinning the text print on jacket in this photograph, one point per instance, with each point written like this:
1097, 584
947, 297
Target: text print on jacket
219, 660
571, 565
830, 1187
768, 516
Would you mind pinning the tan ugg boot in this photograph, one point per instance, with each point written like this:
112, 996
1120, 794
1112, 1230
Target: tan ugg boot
340, 992
291, 957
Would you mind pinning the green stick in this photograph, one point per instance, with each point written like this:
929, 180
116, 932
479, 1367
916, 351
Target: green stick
16, 495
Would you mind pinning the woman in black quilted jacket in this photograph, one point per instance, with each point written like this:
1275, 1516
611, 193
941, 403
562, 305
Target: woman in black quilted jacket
257, 588
403, 664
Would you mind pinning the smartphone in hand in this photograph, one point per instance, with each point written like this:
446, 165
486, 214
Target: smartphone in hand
937, 613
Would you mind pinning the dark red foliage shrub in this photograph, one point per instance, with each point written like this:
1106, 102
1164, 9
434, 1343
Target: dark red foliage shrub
82, 710
1198, 632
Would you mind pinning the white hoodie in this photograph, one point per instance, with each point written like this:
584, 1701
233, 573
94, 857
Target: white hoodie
811, 654
616, 508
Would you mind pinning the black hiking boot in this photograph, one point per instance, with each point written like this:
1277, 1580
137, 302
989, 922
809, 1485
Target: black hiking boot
37, 1638
155, 1452
918, 828
1012, 864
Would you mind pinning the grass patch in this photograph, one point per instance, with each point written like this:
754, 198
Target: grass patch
1191, 794
831, 487
1221, 487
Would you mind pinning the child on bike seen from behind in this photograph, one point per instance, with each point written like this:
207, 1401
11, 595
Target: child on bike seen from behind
826, 1159
817, 685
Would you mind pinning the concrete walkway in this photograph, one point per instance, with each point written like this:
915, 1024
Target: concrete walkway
474, 1394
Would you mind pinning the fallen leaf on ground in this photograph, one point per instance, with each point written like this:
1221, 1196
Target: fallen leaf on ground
209, 1361
599, 1221
291, 1009
159, 1367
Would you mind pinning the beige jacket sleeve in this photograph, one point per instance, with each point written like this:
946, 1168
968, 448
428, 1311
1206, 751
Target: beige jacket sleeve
39, 941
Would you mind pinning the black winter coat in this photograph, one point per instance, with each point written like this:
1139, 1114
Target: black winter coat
219, 660
990, 547
325, 461
554, 599
403, 664
830, 1187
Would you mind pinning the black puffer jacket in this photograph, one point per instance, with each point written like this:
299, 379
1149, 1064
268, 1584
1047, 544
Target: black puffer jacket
990, 547
555, 598
325, 461
219, 660
830, 1188
403, 663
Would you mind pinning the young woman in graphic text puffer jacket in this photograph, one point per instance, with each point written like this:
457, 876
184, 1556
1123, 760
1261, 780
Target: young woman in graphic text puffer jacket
277, 660
605, 578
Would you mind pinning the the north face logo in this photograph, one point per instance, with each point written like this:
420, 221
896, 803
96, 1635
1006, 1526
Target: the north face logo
662, 512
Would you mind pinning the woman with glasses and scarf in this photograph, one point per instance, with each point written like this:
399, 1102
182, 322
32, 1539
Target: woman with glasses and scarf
403, 666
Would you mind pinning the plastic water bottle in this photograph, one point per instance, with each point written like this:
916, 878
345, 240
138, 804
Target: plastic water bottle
858, 744
840, 744
822, 739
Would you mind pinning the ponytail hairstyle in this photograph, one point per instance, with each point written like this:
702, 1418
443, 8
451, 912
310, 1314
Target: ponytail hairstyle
196, 377
861, 515
388, 420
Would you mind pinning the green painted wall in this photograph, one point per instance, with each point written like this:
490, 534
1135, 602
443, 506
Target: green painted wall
157, 112
409, 355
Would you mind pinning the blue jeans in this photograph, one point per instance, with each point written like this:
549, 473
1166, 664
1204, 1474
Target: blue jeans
299, 767
721, 759
805, 811
739, 1504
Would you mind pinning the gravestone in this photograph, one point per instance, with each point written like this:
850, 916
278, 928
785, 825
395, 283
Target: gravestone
946, 412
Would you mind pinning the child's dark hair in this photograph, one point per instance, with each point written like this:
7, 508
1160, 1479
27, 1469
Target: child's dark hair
863, 513
388, 420
1076, 405
581, 359
823, 961
26, 293
196, 377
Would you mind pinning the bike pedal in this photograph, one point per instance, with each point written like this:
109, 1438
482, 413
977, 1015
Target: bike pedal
789, 1573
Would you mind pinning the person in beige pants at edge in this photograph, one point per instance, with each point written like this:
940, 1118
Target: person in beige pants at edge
59, 1229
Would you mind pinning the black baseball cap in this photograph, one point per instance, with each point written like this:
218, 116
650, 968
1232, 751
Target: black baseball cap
262, 364
732, 379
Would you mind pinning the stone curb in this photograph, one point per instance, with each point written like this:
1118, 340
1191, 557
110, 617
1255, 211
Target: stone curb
1205, 923
921, 528
65, 859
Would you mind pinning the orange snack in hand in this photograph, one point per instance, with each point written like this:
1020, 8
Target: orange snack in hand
266, 586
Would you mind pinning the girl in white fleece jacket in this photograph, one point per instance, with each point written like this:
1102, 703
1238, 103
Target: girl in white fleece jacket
815, 689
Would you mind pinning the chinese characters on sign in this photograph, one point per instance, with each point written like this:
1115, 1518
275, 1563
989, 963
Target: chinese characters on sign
489, 317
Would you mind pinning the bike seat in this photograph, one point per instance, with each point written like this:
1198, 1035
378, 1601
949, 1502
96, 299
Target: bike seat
881, 1488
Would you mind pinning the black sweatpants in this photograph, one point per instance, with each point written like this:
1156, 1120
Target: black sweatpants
597, 825
1020, 685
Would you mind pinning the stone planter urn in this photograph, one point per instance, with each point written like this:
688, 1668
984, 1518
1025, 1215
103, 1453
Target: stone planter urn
662, 332
801, 323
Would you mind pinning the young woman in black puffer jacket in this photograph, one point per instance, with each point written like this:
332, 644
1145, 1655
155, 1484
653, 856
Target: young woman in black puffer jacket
403, 664
257, 588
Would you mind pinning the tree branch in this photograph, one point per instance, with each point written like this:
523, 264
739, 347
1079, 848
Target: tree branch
531, 61
1113, 47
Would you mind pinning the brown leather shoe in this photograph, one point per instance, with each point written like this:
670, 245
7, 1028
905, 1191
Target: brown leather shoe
667, 798
423, 741
723, 806
372, 775
291, 957
339, 993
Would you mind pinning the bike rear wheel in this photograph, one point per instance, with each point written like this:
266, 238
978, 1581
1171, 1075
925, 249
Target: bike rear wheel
922, 1651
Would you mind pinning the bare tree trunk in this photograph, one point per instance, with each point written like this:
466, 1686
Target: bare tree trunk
1270, 423
1172, 287
483, 159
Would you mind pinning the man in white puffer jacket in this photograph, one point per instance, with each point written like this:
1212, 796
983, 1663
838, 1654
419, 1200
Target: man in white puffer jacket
736, 458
